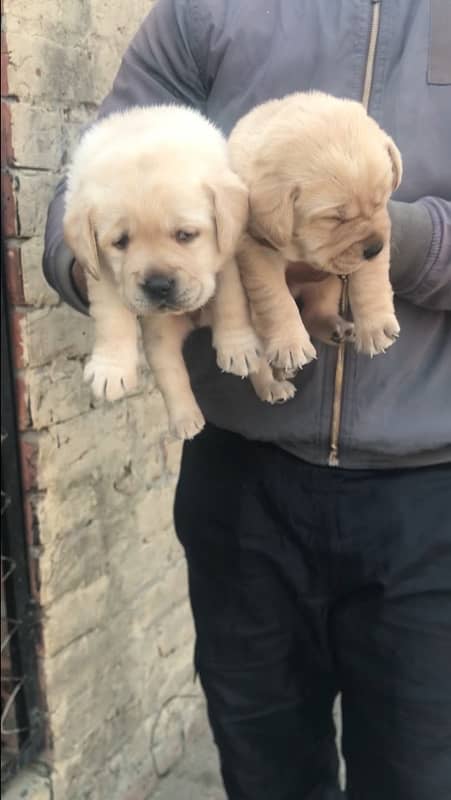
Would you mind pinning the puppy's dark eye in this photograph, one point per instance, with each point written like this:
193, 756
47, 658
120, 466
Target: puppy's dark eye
123, 242
183, 237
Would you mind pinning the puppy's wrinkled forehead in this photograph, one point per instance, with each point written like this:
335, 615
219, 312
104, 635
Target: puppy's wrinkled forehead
340, 159
350, 187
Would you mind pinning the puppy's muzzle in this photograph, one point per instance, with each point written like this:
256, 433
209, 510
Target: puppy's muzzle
160, 290
372, 248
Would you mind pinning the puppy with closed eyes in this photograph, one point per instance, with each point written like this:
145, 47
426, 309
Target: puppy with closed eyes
320, 173
154, 214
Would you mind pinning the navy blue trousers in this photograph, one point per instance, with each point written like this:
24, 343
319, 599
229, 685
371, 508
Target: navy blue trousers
307, 581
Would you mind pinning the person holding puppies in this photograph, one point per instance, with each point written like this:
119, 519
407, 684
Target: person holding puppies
317, 532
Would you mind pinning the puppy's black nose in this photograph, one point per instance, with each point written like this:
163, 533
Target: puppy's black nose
159, 288
372, 248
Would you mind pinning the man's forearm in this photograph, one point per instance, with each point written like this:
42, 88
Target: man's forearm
421, 252
59, 265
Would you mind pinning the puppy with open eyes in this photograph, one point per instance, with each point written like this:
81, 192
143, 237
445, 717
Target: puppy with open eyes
320, 173
154, 214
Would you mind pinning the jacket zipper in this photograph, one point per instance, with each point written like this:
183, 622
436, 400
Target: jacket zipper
334, 455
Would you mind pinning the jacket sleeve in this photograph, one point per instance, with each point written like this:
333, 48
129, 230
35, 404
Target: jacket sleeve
161, 65
421, 252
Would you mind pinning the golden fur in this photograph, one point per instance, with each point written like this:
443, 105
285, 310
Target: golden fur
320, 173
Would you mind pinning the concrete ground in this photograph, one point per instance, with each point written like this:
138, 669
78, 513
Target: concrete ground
196, 776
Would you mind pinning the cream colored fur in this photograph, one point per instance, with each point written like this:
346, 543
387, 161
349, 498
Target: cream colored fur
320, 173
150, 193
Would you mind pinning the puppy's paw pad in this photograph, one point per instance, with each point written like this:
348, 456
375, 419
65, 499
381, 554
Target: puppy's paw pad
238, 352
377, 336
290, 356
343, 331
277, 392
109, 380
187, 427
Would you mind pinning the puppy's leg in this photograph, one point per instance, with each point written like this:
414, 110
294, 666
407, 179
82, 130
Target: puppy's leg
234, 338
371, 299
320, 310
163, 338
274, 311
268, 388
112, 368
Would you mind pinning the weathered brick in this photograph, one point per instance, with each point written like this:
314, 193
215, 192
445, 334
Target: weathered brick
33, 194
128, 774
146, 563
72, 562
37, 134
47, 19
57, 392
36, 290
52, 332
43, 70
59, 513
73, 23
78, 674
101, 441
75, 615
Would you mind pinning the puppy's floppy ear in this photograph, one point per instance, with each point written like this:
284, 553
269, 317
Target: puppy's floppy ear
396, 160
79, 235
231, 208
272, 209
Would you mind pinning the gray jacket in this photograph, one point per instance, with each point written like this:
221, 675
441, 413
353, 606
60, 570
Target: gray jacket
224, 57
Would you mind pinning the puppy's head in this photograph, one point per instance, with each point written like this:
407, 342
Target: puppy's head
158, 221
324, 199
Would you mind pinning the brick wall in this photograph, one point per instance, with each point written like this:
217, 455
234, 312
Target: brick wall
107, 570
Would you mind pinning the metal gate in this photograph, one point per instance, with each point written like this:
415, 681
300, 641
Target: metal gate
21, 719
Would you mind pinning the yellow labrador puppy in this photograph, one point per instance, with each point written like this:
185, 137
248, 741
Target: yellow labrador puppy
320, 173
154, 214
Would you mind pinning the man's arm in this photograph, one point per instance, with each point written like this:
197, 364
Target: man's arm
161, 65
421, 252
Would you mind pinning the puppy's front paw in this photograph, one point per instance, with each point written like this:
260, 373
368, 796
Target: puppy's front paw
276, 391
373, 336
289, 355
188, 425
109, 379
237, 352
